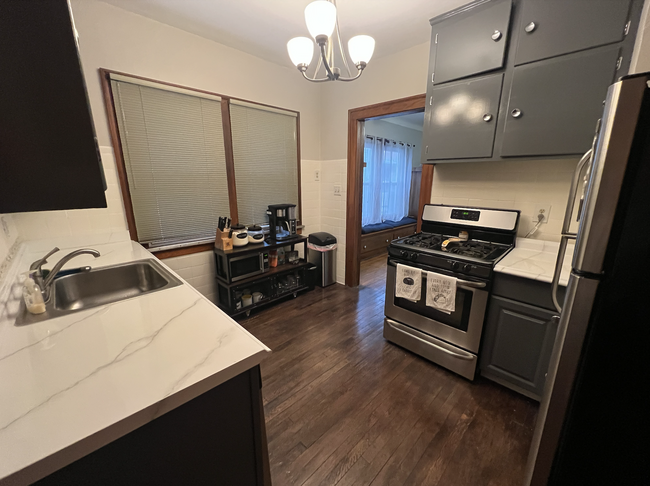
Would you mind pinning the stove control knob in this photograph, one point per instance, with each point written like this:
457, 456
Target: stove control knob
414, 256
455, 265
467, 267
403, 253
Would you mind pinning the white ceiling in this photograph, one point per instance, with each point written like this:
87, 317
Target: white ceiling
262, 28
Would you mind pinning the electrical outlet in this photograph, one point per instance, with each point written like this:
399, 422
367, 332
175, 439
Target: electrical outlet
337, 189
544, 210
317, 175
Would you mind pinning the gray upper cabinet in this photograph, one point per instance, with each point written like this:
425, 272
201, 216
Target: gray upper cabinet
461, 118
471, 41
549, 28
554, 104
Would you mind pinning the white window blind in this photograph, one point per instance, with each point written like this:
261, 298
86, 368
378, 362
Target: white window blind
265, 153
175, 162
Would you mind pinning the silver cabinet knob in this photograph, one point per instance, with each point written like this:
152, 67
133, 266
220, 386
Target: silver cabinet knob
487, 117
496, 36
530, 27
516, 113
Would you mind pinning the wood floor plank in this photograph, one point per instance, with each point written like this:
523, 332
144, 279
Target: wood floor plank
345, 407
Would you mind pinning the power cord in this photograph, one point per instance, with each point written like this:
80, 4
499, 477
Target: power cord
540, 218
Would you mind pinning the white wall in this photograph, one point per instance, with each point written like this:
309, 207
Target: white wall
387, 78
391, 131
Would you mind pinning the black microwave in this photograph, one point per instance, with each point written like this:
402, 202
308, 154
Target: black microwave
232, 267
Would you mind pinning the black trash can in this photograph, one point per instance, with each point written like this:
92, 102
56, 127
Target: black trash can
321, 252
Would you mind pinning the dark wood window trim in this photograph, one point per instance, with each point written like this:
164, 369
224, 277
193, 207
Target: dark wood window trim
109, 103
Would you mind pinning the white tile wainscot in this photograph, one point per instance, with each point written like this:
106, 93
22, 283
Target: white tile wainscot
535, 259
72, 384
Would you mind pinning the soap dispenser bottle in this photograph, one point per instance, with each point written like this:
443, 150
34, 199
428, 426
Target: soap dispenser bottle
32, 296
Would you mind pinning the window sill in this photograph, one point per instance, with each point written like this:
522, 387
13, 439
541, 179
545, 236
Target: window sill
187, 250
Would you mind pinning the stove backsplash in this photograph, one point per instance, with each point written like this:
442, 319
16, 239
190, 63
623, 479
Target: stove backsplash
517, 184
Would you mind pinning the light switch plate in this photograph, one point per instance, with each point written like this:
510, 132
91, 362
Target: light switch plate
337, 189
317, 175
542, 208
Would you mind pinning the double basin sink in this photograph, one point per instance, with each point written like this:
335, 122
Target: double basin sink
101, 286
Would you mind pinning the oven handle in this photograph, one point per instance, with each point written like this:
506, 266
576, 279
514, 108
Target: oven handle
462, 283
467, 357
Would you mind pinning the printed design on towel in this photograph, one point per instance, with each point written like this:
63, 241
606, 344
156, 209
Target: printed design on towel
408, 283
441, 292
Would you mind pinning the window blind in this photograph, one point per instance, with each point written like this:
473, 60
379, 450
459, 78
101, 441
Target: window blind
175, 162
265, 153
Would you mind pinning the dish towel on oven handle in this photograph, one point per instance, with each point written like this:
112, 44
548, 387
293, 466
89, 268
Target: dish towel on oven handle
408, 283
441, 292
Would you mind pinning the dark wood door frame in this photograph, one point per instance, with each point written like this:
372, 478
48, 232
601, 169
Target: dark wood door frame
356, 118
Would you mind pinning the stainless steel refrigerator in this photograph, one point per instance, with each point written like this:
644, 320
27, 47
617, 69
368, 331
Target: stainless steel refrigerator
592, 426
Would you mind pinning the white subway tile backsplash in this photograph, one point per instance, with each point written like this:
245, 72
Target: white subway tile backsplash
512, 184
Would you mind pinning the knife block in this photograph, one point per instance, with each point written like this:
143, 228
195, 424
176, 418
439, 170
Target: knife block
221, 241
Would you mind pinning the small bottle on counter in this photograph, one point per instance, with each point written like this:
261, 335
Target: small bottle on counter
280, 256
273, 258
32, 296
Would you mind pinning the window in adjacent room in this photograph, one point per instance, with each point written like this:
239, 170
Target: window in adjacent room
386, 180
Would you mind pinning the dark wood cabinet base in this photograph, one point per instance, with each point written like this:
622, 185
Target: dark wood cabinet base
217, 438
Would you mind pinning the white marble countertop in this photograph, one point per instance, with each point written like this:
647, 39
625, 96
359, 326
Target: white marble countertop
535, 259
72, 384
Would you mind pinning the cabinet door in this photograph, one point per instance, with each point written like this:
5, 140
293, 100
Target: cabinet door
48, 152
554, 104
460, 119
517, 344
472, 41
551, 28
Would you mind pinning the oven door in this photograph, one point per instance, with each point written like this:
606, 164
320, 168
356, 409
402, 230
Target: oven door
462, 328
245, 266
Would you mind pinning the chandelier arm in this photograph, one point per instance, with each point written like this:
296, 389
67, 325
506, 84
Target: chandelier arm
353, 78
330, 74
320, 62
338, 38
314, 80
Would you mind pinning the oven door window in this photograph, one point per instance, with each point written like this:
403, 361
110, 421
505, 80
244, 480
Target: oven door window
246, 266
459, 319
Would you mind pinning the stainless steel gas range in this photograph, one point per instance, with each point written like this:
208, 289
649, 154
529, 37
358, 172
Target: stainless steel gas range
464, 243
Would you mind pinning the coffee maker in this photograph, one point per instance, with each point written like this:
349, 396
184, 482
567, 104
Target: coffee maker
282, 221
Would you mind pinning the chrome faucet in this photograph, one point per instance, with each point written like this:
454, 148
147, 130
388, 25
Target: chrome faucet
45, 284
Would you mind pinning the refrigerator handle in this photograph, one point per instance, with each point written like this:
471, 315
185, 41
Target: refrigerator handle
558, 269
575, 185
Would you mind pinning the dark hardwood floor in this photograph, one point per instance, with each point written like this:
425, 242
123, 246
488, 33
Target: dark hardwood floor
345, 407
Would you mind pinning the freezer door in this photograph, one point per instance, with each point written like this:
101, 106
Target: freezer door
580, 298
610, 163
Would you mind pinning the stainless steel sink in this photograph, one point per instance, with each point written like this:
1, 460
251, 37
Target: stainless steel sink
102, 286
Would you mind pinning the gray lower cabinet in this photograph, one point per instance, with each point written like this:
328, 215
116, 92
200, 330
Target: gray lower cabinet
473, 41
554, 104
517, 345
549, 28
460, 118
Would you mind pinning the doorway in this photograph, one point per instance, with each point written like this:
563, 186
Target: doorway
387, 122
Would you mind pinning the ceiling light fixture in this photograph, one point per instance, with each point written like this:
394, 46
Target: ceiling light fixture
322, 23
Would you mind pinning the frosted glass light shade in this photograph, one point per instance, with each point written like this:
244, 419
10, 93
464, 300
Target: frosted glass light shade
320, 17
361, 48
301, 50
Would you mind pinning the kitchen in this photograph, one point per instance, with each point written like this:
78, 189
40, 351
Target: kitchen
148, 46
